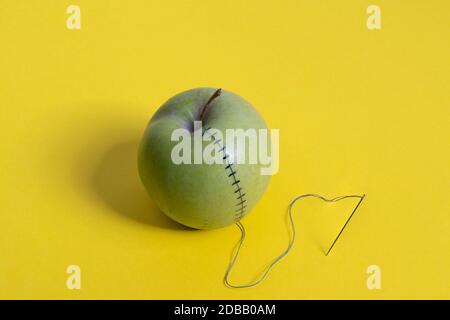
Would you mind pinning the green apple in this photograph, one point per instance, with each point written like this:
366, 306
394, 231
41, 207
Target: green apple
201, 196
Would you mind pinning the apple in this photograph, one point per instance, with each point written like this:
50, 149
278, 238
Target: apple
201, 196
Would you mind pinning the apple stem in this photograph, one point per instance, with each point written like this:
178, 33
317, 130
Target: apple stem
214, 96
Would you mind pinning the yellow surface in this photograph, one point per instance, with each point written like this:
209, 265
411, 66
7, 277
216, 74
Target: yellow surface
359, 111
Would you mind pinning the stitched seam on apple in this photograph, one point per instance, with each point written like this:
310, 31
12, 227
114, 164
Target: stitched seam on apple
239, 191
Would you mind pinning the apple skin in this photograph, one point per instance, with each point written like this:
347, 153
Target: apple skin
200, 196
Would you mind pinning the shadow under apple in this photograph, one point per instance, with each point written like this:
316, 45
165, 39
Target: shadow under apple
116, 181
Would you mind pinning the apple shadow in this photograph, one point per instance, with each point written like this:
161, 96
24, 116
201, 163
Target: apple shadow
116, 180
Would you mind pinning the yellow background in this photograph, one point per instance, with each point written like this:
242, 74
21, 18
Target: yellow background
359, 111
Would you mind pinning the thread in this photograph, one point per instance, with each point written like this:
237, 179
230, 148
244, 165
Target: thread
291, 241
